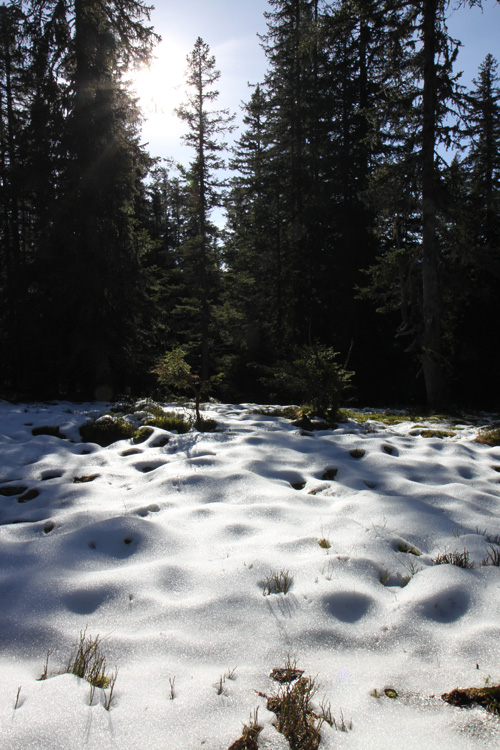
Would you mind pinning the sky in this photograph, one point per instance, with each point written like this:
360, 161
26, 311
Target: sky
231, 29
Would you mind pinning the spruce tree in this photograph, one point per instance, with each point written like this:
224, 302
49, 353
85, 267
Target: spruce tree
473, 245
86, 242
420, 95
12, 122
206, 128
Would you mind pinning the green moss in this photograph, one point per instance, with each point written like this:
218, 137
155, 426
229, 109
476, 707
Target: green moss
357, 453
287, 412
49, 429
106, 430
142, 434
376, 416
206, 425
436, 434
390, 418
487, 697
170, 421
29, 495
390, 693
85, 479
12, 490
329, 475
489, 436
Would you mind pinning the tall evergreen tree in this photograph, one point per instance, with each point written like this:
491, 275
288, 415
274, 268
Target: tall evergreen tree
420, 95
303, 164
12, 122
206, 128
82, 172
473, 244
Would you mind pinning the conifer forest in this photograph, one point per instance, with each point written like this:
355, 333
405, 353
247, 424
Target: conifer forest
361, 206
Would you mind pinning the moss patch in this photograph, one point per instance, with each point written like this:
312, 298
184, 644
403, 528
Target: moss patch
487, 697
434, 433
169, 421
329, 475
12, 490
142, 434
489, 436
49, 429
106, 430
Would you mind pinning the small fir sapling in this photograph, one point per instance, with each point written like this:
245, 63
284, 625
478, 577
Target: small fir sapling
173, 371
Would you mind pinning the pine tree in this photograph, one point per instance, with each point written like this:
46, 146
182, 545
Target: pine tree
298, 228
206, 129
12, 122
473, 244
86, 242
483, 157
421, 94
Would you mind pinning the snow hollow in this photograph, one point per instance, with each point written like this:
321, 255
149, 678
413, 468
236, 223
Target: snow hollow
171, 553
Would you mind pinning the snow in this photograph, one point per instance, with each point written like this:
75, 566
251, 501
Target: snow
164, 555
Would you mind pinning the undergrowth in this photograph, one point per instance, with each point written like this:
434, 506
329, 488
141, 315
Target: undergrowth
297, 718
277, 583
88, 662
106, 430
249, 735
487, 697
460, 559
170, 421
489, 436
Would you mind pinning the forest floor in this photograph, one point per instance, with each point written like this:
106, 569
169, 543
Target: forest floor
171, 552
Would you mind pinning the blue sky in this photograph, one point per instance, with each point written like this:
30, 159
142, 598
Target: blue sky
230, 27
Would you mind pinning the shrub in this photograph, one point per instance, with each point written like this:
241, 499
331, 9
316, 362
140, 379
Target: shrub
316, 377
106, 430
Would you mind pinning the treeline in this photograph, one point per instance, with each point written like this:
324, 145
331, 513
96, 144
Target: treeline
362, 202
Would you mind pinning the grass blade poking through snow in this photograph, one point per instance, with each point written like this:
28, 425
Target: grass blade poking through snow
89, 663
277, 583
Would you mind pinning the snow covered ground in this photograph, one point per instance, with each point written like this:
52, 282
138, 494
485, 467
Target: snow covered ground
164, 554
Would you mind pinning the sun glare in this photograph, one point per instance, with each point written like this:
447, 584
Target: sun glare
160, 86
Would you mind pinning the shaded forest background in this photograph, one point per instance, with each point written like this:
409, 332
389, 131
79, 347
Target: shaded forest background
362, 204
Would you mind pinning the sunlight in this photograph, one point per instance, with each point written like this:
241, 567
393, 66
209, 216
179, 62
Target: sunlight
160, 86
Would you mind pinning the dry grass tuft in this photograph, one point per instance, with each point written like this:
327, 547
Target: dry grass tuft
460, 559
